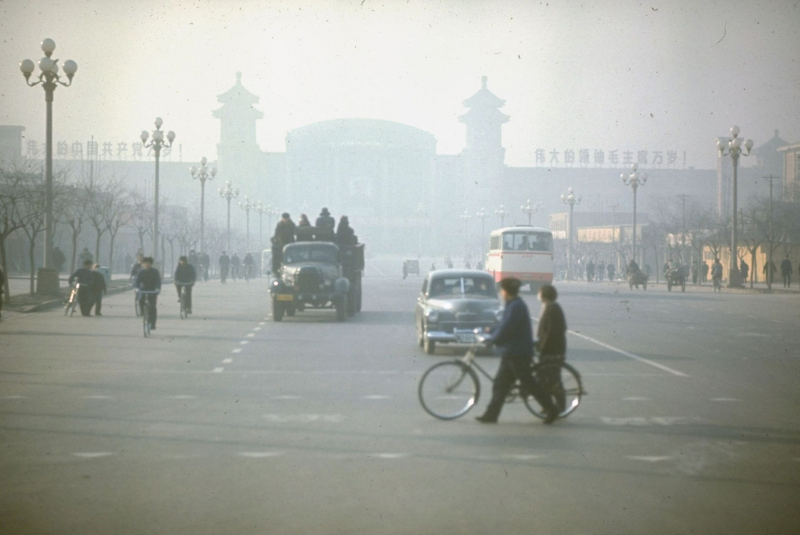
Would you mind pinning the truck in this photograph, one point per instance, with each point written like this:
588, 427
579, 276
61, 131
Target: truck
318, 275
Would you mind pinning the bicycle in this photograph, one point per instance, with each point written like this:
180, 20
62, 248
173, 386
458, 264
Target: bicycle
145, 310
449, 390
184, 312
136, 302
72, 301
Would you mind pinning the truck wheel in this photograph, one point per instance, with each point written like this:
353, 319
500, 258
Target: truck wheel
277, 310
669, 286
351, 303
290, 311
358, 298
341, 308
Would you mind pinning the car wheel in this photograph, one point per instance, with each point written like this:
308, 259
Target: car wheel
429, 346
277, 310
421, 335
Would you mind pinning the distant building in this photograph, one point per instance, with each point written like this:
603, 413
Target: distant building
790, 172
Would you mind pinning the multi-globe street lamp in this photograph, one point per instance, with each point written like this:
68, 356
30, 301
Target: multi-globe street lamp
634, 179
501, 213
530, 208
202, 174
260, 208
157, 144
247, 205
482, 214
571, 200
50, 80
735, 149
228, 192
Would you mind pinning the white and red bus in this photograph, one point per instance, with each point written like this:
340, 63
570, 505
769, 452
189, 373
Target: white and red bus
523, 252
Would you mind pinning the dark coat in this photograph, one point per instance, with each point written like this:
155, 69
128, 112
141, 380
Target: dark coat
284, 231
148, 280
224, 261
98, 283
185, 274
786, 267
514, 337
552, 331
325, 221
83, 276
345, 235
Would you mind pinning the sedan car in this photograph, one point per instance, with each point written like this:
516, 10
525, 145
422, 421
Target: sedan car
452, 304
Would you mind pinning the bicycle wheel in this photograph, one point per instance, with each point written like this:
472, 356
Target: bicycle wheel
136, 304
561, 381
145, 322
73, 306
183, 314
448, 390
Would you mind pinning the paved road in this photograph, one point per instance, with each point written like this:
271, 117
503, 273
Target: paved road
230, 423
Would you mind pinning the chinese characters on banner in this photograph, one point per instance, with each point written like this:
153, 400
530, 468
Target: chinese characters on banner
607, 158
94, 150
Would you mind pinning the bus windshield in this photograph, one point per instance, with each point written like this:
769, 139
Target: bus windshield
527, 241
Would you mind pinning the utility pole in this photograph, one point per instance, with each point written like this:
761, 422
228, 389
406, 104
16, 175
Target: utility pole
771, 236
683, 197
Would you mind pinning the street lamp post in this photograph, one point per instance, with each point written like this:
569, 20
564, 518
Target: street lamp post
247, 205
466, 217
157, 144
734, 148
228, 192
482, 214
260, 208
571, 200
501, 213
634, 179
530, 209
50, 80
202, 174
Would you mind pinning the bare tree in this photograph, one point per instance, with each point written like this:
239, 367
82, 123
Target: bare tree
118, 212
12, 194
32, 210
73, 215
142, 220
751, 237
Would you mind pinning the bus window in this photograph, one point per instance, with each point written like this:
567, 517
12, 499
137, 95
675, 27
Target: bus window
524, 241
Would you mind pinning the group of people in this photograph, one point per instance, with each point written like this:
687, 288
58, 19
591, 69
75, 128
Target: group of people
232, 265
147, 281
91, 287
324, 229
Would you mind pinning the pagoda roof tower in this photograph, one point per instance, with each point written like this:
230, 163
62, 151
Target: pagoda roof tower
237, 102
484, 106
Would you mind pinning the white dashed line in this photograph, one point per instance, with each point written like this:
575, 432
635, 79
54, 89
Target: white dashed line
389, 455
630, 355
244, 342
375, 397
217, 370
259, 454
237, 350
93, 454
250, 335
182, 396
227, 361
649, 458
15, 397
526, 457
287, 397
257, 329
635, 398
724, 399
97, 397
262, 322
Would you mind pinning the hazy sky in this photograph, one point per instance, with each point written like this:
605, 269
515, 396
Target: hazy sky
599, 75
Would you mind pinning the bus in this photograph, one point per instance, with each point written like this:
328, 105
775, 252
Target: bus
523, 252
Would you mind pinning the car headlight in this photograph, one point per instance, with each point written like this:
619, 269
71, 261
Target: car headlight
433, 316
498, 316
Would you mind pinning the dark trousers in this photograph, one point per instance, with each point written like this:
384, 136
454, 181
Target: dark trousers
149, 300
787, 279
512, 369
98, 302
187, 295
85, 300
223, 273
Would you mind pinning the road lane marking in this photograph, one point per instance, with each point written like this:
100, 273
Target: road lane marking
227, 361
217, 370
259, 454
724, 399
629, 355
249, 335
635, 398
389, 455
286, 397
182, 396
375, 397
526, 457
303, 418
641, 420
649, 458
244, 342
237, 350
262, 322
97, 397
15, 397
257, 329
93, 454
378, 270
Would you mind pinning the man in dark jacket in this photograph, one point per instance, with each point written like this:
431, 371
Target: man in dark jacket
148, 280
786, 272
235, 263
552, 340
85, 278
185, 277
98, 289
224, 265
345, 235
514, 341
325, 220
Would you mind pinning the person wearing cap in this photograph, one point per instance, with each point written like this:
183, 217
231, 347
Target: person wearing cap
325, 220
285, 230
85, 278
513, 339
148, 280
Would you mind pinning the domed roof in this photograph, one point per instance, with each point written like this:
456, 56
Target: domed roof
339, 132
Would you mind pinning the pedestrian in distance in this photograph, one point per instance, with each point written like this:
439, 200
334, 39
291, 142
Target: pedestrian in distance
185, 277
345, 235
786, 272
84, 256
513, 339
137, 266
703, 272
589, 271
744, 269
84, 276
769, 271
716, 275
148, 280
235, 264
694, 273
58, 258
405, 270
611, 269
98, 289
205, 261
648, 270
224, 266
601, 271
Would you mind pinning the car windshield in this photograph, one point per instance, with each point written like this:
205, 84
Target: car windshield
461, 286
312, 253
527, 241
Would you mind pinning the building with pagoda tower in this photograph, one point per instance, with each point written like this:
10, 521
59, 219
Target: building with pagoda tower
483, 154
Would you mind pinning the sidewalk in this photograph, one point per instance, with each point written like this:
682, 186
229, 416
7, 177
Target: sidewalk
23, 302
758, 287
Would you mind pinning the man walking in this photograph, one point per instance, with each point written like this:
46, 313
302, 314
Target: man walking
98, 289
744, 269
769, 271
84, 277
703, 272
224, 265
786, 272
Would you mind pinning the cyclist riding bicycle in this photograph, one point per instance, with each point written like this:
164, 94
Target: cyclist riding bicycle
148, 280
248, 265
514, 341
185, 277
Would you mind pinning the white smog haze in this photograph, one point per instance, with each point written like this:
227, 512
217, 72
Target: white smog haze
603, 75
